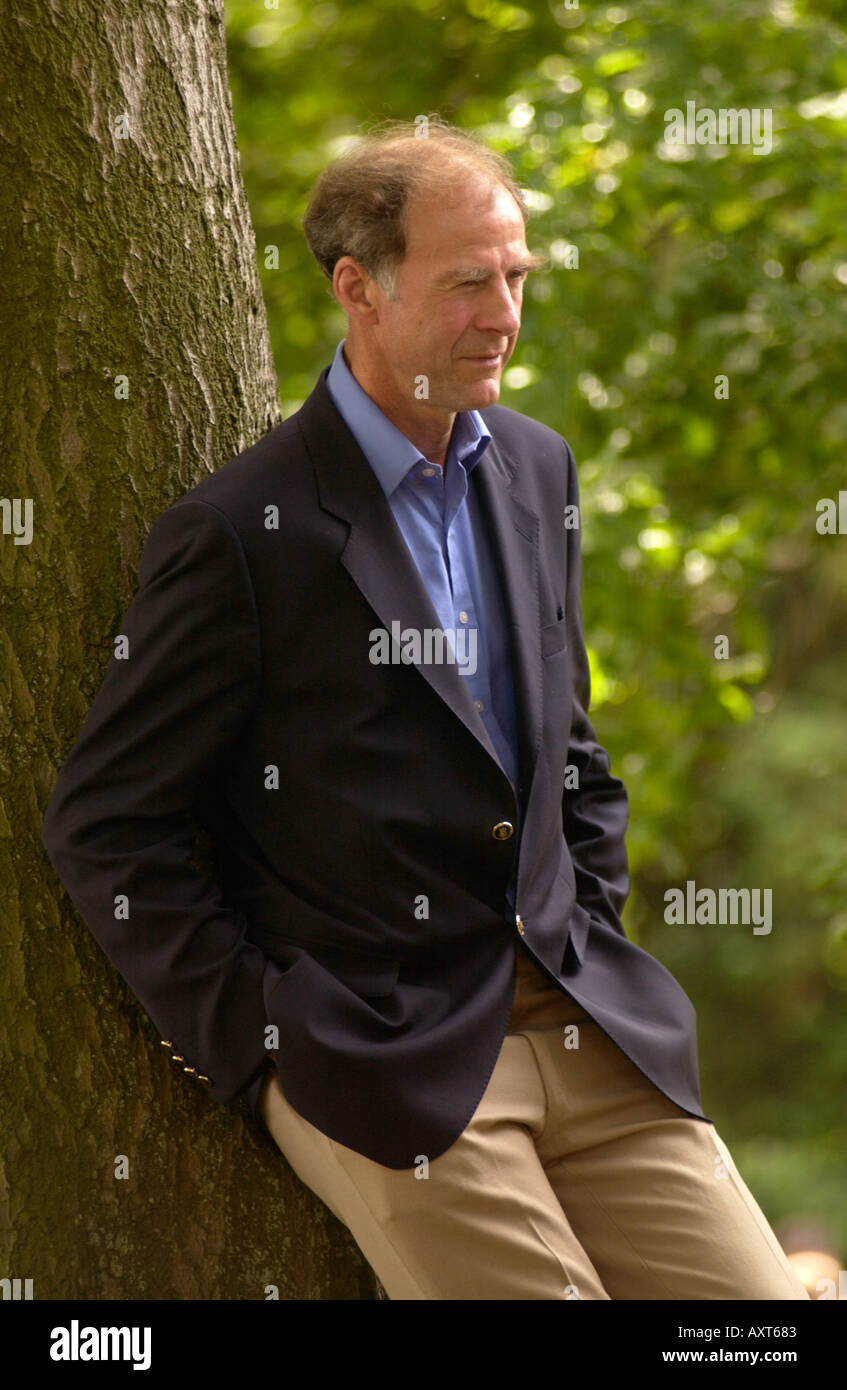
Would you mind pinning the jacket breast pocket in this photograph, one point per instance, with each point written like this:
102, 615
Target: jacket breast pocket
555, 658
553, 638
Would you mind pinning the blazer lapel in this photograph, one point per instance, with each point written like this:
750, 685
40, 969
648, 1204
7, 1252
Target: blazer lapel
514, 531
378, 560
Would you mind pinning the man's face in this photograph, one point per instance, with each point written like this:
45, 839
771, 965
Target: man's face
457, 311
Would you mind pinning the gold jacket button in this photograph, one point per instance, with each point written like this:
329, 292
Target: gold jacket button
520, 926
165, 1043
503, 830
206, 1079
175, 1057
192, 1071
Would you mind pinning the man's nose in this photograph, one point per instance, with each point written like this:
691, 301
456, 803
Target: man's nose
500, 313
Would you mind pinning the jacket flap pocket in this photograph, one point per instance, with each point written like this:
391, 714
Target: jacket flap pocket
365, 975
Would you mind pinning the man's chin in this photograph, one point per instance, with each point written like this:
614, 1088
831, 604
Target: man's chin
468, 395
484, 392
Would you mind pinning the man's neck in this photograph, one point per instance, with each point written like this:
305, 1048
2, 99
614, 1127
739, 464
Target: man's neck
431, 435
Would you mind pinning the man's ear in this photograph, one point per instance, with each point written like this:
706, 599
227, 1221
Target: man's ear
355, 290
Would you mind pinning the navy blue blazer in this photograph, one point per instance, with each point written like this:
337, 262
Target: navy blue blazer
365, 833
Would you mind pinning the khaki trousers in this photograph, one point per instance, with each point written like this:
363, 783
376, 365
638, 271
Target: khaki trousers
576, 1178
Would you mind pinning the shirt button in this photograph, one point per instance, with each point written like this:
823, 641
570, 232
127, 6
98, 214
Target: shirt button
428, 472
463, 617
503, 830
480, 706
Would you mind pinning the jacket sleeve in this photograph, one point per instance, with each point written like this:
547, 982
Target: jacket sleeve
594, 814
120, 825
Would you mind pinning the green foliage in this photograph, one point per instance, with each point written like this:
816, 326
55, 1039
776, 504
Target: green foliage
698, 503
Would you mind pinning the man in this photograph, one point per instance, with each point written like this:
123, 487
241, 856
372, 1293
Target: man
356, 656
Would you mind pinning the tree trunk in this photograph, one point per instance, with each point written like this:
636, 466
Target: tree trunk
137, 358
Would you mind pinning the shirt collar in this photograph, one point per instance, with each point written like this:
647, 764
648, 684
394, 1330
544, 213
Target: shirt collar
387, 450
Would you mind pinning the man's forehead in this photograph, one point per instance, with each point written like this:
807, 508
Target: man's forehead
477, 212
445, 245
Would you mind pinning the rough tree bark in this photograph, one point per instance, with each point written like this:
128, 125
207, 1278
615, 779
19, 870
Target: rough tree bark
137, 357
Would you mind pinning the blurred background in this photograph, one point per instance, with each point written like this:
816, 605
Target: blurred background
671, 266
